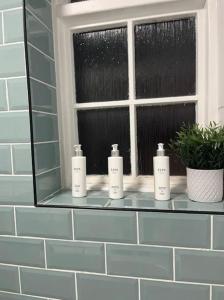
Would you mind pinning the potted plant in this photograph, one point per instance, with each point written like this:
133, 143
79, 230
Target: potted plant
201, 149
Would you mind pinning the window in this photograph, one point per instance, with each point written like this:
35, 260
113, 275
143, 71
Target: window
124, 78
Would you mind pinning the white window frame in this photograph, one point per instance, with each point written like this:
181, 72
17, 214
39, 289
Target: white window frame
97, 14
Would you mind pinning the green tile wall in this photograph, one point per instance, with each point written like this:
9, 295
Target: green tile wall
17, 93
20, 251
47, 253
7, 4
140, 261
9, 279
5, 159
13, 26
14, 296
3, 100
17, 125
12, 60
171, 291
22, 159
109, 288
48, 283
7, 224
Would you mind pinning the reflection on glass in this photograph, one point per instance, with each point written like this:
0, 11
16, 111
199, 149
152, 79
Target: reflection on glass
101, 65
100, 128
157, 124
165, 58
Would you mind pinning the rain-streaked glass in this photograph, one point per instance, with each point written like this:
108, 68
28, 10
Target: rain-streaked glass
98, 130
165, 58
101, 65
158, 124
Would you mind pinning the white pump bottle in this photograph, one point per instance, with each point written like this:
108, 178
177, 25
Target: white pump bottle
161, 174
78, 173
115, 172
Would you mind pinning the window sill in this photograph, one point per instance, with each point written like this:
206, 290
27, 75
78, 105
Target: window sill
100, 6
133, 201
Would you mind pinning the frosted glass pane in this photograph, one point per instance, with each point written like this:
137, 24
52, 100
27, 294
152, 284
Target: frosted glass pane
165, 59
157, 124
98, 129
101, 65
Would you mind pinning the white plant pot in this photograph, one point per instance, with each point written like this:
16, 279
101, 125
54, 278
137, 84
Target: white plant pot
205, 185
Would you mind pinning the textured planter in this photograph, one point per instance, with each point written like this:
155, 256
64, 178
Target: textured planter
205, 185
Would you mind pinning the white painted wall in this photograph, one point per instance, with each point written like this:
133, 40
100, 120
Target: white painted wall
220, 4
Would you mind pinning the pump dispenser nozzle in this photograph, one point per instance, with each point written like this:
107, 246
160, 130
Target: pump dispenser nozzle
78, 150
115, 151
160, 150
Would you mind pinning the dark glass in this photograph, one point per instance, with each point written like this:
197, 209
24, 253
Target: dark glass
165, 59
158, 124
101, 65
98, 130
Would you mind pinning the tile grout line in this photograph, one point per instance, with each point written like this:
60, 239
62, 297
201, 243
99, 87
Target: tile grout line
48, 171
19, 275
105, 255
11, 44
14, 111
11, 9
39, 20
118, 276
14, 212
73, 230
76, 288
47, 142
111, 243
7, 95
27, 295
139, 289
14, 144
12, 162
210, 292
174, 266
137, 227
41, 52
3, 29
44, 112
44, 83
15, 175
45, 254
211, 233
14, 77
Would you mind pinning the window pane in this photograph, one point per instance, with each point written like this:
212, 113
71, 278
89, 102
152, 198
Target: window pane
101, 65
165, 59
98, 130
159, 124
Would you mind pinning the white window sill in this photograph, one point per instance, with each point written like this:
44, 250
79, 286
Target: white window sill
97, 6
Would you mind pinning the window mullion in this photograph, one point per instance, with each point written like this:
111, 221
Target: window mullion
131, 75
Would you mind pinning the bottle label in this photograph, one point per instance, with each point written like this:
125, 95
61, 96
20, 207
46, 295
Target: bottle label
114, 170
161, 170
162, 190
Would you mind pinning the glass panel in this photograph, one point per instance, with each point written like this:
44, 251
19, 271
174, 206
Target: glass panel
101, 65
98, 129
165, 59
42, 98
159, 124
